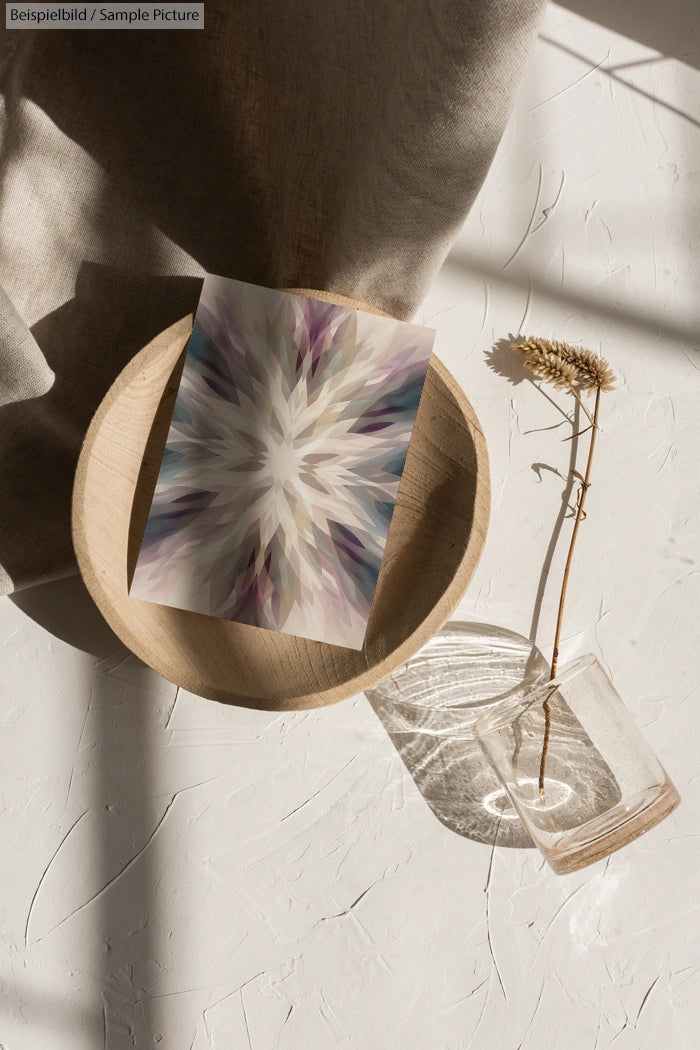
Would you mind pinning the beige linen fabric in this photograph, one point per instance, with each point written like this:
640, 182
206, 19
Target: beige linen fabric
24, 373
312, 144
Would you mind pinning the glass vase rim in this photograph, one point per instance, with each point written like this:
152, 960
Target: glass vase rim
464, 707
505, 711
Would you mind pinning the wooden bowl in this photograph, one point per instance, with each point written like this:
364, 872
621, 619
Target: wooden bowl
436, 536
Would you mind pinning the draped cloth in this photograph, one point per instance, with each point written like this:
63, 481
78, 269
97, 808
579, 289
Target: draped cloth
306, 144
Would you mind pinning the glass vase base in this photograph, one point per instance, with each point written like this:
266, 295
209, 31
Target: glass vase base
602, 785
623, 824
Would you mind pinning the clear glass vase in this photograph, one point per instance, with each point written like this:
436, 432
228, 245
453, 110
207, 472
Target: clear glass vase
576, 767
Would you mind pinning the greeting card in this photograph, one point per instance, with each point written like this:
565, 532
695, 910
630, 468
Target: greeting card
282, 463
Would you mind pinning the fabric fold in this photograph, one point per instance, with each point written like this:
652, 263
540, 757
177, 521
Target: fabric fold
24, 372
312, 145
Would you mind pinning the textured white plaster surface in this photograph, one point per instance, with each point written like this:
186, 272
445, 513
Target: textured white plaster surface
182, 875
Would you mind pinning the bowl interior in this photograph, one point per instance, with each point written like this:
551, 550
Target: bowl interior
435, 539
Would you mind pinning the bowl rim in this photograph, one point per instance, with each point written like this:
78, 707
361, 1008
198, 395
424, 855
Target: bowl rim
356, 683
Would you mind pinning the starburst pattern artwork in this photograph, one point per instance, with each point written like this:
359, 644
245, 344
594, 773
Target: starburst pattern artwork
282, 463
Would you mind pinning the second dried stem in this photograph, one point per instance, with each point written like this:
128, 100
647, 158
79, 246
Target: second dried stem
585, 485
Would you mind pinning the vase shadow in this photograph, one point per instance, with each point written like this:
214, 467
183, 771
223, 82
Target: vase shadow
429, 707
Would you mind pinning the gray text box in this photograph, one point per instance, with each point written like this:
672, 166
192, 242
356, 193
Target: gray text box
104, 16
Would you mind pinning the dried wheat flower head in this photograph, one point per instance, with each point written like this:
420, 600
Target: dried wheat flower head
565, 365
551, 368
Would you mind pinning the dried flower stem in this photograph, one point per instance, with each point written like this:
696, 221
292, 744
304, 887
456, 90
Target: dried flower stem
585, 485
545, 741
583, 406
575, 369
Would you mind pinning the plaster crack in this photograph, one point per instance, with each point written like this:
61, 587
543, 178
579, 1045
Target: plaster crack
464, 998
573, 84
487, 889
527, 306
129, 864
348, 911
43, 877
561, 907
245, 1021
80, 741
317, 793
528, 229
172, 709
289, 1014
644, 1000
549, 210
233, 991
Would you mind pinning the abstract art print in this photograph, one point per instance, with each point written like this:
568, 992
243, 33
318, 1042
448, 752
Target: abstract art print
282, 463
